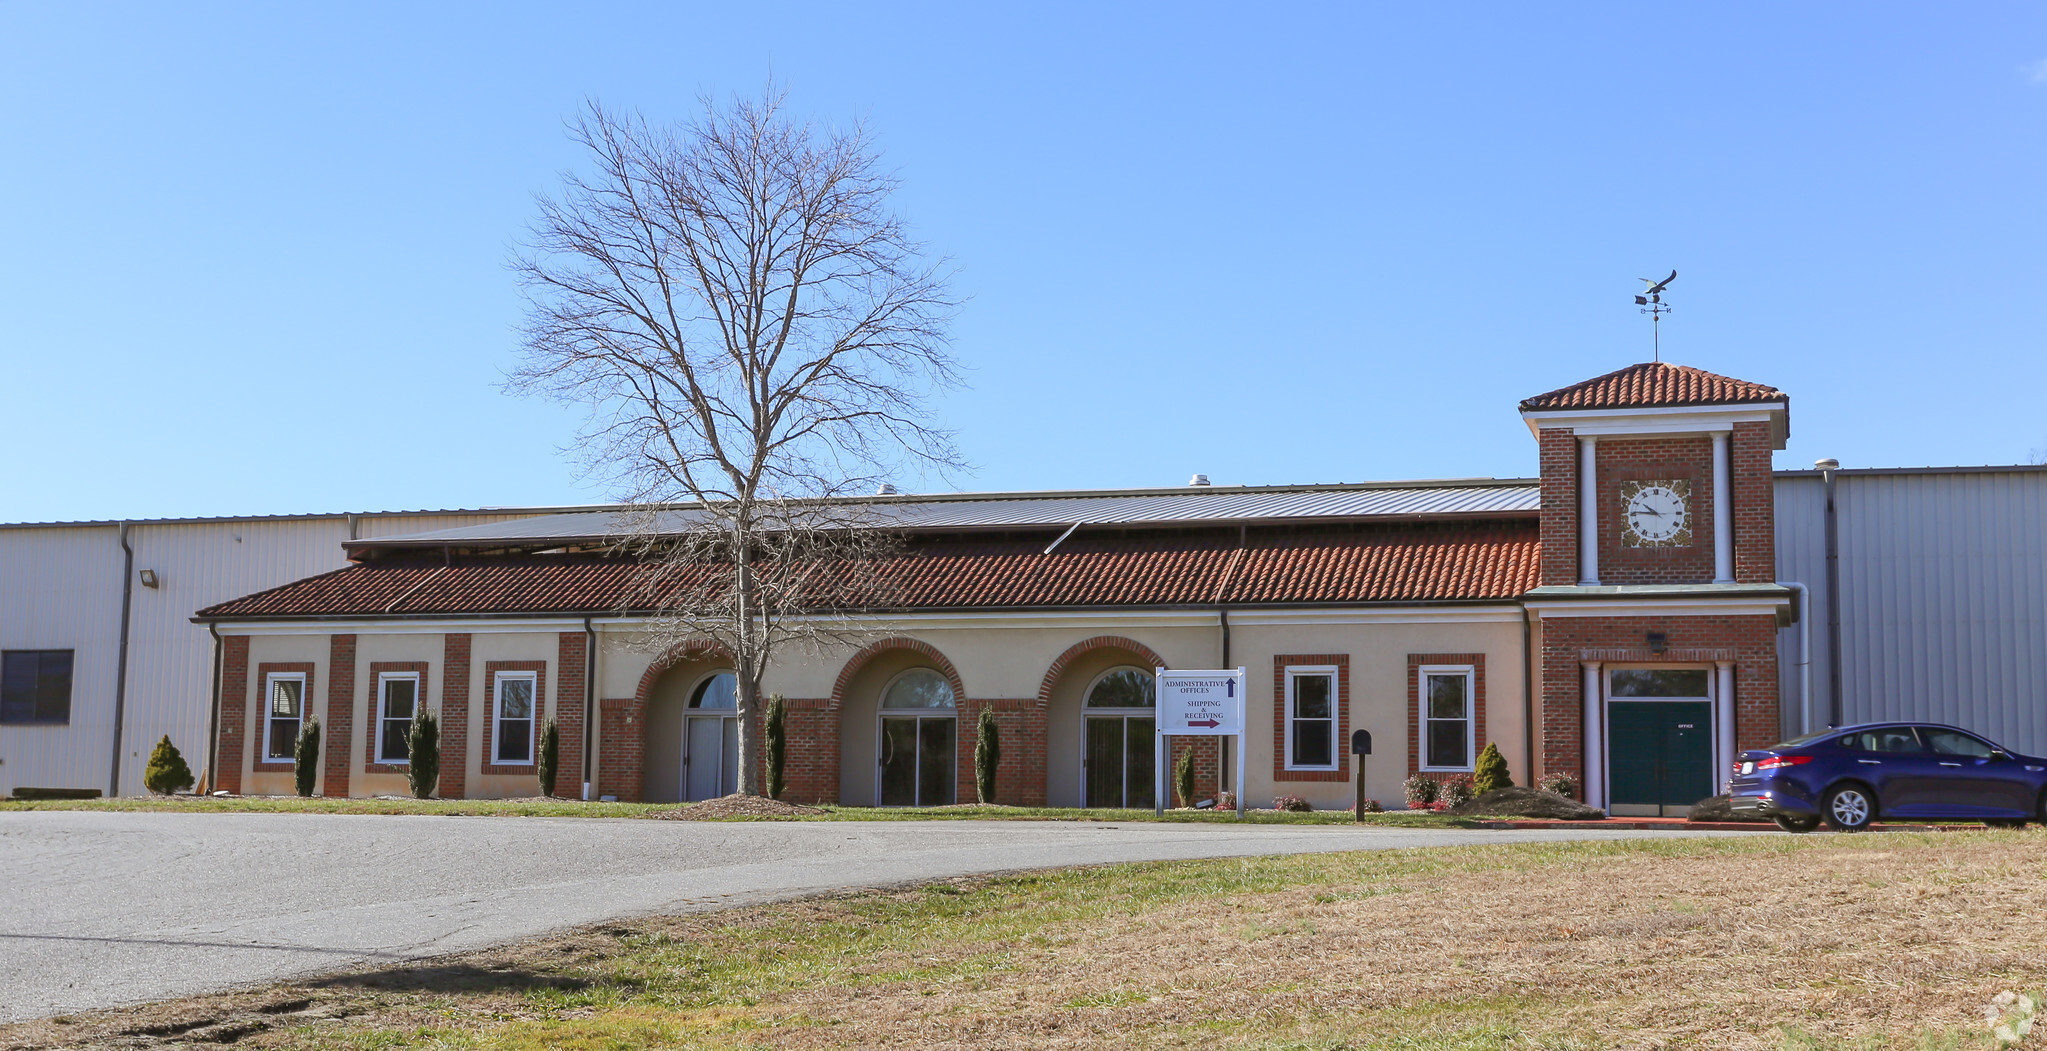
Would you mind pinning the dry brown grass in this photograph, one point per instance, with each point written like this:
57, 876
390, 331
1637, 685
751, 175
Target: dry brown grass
1682, 943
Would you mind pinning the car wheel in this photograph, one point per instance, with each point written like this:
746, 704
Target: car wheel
1849, 808
1796, 824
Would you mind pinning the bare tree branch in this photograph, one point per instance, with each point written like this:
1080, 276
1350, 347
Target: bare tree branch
756, 337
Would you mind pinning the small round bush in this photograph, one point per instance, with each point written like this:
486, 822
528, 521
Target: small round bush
1454, 791
1420, 790
1294, 804
1562, 784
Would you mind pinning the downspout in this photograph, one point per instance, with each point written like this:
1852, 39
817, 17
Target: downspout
1804, 654
589, 704
213, 721
121, 662
1827, 470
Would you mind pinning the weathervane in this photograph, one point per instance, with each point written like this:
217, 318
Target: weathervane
1651, 302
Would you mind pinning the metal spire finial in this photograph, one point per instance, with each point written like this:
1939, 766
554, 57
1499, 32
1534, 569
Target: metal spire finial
1652, 304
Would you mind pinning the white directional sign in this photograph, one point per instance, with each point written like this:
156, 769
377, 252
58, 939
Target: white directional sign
1201, 702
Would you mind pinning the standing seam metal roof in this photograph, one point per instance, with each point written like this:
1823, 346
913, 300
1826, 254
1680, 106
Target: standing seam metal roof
1477, 498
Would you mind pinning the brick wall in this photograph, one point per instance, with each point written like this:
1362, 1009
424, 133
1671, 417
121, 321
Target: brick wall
1688, 457
1750, 641
1341, 746
260, 709
1559, 467
1755, 503
375, 708
490, 721
1415, 663
1020, 775
811, 754
621, 748
455, 750
572, 668
234, 713
338, 739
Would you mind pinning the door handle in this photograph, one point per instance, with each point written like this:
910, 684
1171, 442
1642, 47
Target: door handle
1871, 762
1950, 764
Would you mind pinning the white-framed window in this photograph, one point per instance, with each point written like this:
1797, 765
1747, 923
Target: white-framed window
284, 711
1311, 707
1448, 726
397, 701
512, 707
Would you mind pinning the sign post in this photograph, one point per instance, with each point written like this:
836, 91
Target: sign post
1199, 704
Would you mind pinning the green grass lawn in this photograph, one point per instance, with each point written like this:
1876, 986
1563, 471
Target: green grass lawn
572, 808
1840, 943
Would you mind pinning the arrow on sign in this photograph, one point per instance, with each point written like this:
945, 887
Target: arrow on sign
1210, 723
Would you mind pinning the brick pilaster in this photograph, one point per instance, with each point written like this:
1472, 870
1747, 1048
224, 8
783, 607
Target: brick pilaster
455, 746
234, 712
339, 736
571, 669
1559, 467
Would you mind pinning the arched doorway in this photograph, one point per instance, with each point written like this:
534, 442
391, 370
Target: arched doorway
918, 740
1120, 739
710, 740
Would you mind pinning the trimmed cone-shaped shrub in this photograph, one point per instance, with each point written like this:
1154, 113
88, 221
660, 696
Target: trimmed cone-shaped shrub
166, 772
423, 746
550, 757
1183, 777
305, 757
987, 756
1492, 774
775, 734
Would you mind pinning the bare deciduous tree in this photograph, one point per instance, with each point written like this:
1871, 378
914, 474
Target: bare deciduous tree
757, 336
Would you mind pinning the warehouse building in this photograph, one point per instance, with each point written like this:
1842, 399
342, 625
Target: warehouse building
1631, 624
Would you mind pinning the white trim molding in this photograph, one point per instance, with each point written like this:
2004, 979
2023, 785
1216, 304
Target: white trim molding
378, 713
1469, 673
1723, 513
1335, 719
1658, 607
1593, 734
1723, 709
1588, 511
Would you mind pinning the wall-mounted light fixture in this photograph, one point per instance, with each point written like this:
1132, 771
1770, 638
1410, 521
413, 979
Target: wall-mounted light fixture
149, 578
1658, 641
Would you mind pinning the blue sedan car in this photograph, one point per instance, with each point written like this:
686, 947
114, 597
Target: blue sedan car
1852, 775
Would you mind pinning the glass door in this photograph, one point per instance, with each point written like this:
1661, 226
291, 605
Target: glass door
710, 759
918, 760
1120, 766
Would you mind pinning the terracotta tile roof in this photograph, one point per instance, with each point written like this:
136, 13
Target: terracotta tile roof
1652, 385
1491, 560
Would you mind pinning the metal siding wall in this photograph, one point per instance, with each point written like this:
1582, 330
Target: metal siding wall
1943, 597
60, 589
1802, 557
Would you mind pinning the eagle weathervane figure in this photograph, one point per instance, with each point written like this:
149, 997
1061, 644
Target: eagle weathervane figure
1651, 302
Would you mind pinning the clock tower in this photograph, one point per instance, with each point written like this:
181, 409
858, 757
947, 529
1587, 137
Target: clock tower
1658, 610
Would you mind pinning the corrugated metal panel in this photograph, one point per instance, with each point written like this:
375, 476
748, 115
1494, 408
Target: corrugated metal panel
60, 588
1150, 508
1943, 596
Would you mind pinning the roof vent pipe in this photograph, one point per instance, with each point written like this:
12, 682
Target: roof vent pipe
1199, 479
886, 489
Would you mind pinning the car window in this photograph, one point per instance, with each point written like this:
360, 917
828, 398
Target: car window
1955, 742
1893, 740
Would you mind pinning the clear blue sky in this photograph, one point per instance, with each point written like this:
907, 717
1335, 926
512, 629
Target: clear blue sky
251, 257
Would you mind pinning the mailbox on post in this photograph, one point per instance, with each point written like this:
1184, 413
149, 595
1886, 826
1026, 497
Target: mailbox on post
1360, 746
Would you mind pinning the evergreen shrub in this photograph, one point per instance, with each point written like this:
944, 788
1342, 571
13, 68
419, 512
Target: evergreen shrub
167, 772
1183, 777
549, 766
987, 756
775, 730
1492, 771
424, 749
305, 757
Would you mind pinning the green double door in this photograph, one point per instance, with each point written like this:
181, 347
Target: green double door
1659, 756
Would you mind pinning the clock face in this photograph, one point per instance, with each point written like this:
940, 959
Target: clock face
1657, 514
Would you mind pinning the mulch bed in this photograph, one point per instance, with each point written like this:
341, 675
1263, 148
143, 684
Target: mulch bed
737, 806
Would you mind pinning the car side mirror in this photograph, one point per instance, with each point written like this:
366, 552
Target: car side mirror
1999, 753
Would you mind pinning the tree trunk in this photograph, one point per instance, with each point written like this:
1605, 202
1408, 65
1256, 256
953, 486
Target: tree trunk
746, 670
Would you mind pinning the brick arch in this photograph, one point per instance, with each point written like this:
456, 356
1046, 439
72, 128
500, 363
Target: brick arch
1099, 642
889, 645
680, 653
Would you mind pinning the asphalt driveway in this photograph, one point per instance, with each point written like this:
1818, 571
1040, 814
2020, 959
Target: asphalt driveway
111, 908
